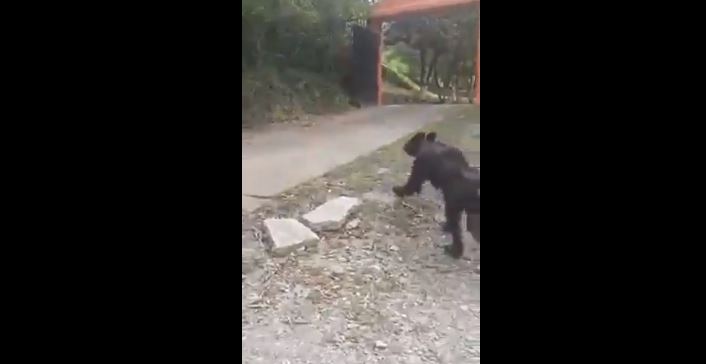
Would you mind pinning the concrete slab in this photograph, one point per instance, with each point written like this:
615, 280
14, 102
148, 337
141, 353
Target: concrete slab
332, 214
288, 235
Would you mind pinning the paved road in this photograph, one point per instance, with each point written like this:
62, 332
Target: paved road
281, 157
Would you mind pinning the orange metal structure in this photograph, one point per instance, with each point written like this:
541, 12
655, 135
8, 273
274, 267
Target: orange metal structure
387, 10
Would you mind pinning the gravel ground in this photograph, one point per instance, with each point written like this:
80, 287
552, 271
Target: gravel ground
379, 290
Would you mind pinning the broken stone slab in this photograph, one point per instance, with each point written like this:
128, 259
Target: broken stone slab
332, 214
288, 235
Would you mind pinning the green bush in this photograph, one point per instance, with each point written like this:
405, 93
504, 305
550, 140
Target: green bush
292, 52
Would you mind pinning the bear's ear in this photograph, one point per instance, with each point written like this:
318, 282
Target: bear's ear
413, 145
431, 136
416, 139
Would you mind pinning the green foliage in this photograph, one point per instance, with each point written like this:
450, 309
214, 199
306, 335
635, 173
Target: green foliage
302, 34
456, 31
402, 59
271, 95
292, 56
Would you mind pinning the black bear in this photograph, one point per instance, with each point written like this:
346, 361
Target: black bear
447, 169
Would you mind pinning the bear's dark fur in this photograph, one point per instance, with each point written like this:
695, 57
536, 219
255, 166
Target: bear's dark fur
447, 169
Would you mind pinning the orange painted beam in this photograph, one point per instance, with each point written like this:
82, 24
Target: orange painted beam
386, 9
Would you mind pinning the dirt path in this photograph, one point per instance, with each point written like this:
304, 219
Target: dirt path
281, 157
379, 290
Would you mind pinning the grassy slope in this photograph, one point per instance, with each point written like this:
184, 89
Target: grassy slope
271, 95
274, 95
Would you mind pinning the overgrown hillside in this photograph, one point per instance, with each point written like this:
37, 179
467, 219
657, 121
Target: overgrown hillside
294, 56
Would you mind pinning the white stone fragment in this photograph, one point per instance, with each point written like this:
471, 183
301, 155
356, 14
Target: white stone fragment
289, 235
332, 214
